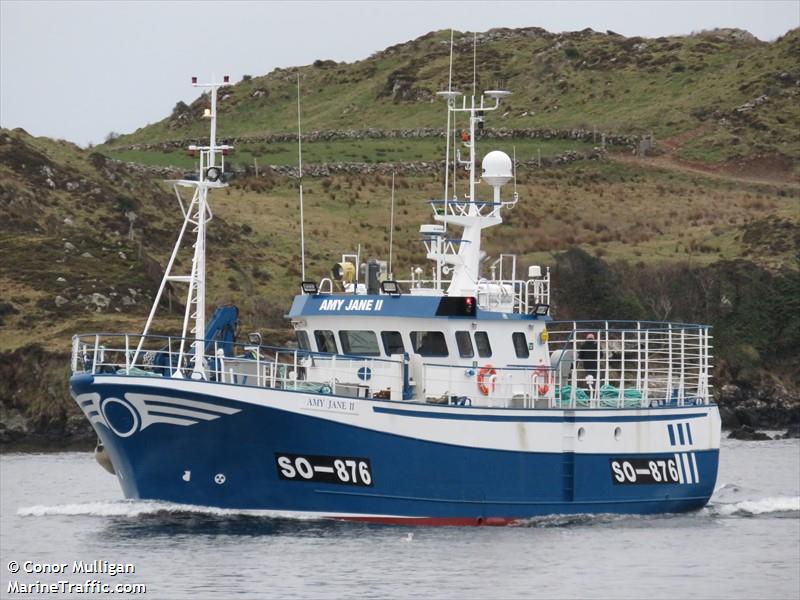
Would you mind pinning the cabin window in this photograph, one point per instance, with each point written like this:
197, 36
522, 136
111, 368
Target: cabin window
392, 342
325, 341
483, 345
464, 343
361, 343
302, 339
429, 343
520, 345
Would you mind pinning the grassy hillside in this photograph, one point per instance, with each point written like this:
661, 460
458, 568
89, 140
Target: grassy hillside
64, 234
713, 97
680, 235
650, 244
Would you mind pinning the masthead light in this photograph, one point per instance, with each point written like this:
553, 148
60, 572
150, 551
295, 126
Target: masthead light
226, 79
194, 80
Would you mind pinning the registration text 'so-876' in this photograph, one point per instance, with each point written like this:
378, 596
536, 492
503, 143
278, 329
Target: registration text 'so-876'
343, 470
644, 470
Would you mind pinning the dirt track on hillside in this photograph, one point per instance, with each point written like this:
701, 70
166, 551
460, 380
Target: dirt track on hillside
762, 169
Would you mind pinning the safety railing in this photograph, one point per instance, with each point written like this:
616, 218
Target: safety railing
624, 363
488, 386
519, 296
592, 365
238, 364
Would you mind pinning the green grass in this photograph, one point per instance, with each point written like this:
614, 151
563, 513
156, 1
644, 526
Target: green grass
619, 211
690, 84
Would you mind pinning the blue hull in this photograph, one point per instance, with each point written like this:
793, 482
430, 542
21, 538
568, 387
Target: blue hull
231, 463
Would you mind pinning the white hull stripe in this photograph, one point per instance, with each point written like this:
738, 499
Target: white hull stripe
641, 431
175, 411
679, 465
686, 470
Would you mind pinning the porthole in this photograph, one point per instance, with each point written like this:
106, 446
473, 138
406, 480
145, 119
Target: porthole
617, 433
581, 434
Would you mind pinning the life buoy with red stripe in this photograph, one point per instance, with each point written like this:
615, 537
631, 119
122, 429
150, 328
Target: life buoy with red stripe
542, 378
484, 373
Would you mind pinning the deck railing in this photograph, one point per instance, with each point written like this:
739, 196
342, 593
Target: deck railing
601, 363
238, 364
591, 365
518, 296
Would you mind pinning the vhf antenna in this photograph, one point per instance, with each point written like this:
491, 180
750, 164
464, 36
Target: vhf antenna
300, 175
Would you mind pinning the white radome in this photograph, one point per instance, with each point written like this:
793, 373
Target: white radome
497, 168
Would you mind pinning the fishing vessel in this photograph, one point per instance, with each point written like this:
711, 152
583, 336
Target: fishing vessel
450, 398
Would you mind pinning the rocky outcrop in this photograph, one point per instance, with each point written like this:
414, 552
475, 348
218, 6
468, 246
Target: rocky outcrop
36, 410
745, 432
768, 404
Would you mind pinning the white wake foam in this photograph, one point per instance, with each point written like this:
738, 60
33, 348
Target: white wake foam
132, 509
761, 506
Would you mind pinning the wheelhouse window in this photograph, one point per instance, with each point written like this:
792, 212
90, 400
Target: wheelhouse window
325, 341
429, 343
392, 342
520, 344
359, 342
302, 339
483, 345
464, 343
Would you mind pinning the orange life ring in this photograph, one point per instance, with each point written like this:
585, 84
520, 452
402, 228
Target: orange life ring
483, 372
542, 377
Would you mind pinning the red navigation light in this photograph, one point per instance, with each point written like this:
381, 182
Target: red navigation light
225, 152
226, 79
469, 306
194, 80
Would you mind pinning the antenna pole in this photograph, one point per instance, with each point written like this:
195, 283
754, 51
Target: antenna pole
391, 227
514, 164
472, 207
455, 156
213, 137
300, 175
474, 63
447, 134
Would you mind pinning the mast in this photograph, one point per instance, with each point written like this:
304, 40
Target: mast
197, 215
300, 177
470, 214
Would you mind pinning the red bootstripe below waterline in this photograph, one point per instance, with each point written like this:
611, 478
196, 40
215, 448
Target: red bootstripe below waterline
434, 521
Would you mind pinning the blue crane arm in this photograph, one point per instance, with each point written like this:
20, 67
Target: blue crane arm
222, 328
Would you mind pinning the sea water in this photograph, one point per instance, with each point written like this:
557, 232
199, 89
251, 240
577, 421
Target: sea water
63, 523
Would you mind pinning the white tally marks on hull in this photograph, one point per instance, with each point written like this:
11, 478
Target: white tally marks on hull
687, 467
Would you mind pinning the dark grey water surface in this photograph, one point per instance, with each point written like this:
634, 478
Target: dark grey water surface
61, 508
